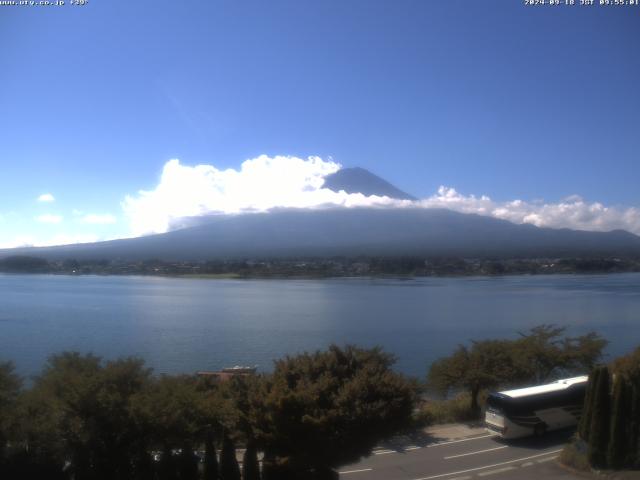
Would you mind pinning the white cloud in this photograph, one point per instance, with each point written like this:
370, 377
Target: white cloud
572, 212
260, 184
266, 182
46, 197
99, 219
49, 218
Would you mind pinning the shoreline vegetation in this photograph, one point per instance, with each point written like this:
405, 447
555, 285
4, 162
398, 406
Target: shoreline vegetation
337, 267
84, 417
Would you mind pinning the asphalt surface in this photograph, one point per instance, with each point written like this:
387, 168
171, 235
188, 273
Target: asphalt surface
476, 457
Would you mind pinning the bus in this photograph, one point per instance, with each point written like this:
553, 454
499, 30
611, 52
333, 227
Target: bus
536, 410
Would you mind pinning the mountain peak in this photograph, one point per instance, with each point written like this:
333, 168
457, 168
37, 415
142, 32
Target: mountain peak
360, 180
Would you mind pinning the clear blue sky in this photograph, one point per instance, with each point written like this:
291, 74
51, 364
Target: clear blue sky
489, 97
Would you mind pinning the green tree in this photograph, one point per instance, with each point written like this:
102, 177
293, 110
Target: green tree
250, 466
322, 410
600, 418
618, 435
10, 385
229, 469
544, 353
487, 364
210, 457
90, 403
587, 411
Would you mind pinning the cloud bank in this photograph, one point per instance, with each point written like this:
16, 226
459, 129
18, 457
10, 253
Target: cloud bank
259, 185
264, 183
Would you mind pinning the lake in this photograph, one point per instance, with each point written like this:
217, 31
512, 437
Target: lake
183, 325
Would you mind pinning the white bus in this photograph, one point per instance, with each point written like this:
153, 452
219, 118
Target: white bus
535, 410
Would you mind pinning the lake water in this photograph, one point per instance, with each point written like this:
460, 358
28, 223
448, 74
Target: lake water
184, 325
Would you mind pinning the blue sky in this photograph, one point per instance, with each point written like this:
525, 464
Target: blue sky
489, 98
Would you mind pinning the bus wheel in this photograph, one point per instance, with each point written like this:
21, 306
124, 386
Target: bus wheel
540, 429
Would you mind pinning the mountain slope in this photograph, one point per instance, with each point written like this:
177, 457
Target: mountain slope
359, 180
351, 232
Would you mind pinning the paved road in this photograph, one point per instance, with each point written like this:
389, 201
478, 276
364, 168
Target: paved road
477, 457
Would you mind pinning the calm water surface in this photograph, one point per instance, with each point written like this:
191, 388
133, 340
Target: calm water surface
183, 325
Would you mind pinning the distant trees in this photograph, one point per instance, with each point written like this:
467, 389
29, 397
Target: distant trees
84, 418
23, 264
535, 357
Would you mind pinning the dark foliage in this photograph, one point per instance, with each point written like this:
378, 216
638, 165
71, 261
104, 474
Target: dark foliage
229, 468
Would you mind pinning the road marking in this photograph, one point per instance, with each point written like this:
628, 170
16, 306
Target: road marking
355, 471
475, 453
412, 448
488, 466
542, 460
528, 464
383, 452
463, 440
499, 470
468, 477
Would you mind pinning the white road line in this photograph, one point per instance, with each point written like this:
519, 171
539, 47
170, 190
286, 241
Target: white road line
542, 460
384, 452
527, 464
489, 466
468, 477
355, 471
412, 448
463, 440
498, 470
475, 453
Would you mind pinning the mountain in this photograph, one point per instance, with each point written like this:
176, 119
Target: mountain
351, 232
359, 180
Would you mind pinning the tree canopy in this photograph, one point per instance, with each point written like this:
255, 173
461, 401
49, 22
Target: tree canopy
535, 357
323, 410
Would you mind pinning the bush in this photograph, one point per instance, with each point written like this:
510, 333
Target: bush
454, 410
575, 457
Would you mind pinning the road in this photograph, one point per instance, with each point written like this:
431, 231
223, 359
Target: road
477, 457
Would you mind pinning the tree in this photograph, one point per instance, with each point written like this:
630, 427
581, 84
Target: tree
229, 469
584, 426
322, 410
89, 403
188, 464
486, 364
534, 358
10, 385
599, 431
210, 458
543, 353
250, 466
618, 431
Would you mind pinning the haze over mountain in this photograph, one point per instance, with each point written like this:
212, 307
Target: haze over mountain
339, 231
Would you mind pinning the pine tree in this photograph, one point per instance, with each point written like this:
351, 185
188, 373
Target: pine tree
269, 471
585, 419
633, 454
618, 438
250, 466
167, 466
600, 419
210, 459
229, 469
